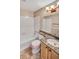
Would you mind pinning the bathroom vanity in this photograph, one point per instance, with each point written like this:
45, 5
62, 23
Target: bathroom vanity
49, 47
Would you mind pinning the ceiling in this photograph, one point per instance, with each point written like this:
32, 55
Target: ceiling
34, 5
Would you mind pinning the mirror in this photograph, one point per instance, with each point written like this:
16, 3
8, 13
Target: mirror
50, 24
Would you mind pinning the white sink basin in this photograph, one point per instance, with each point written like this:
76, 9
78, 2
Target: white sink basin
53, 42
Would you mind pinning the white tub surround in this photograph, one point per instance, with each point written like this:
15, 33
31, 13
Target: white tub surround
26, 31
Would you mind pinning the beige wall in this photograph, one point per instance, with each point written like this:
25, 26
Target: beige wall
25, 13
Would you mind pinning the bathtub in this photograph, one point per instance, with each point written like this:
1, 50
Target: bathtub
26, 43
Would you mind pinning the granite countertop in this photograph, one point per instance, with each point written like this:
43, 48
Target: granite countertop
55, 49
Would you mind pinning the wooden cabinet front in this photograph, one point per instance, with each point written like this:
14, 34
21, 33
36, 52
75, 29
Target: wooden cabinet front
54, 55
48, 53
43, 51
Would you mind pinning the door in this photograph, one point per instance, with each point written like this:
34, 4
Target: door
43, 51
54, 55
49, 55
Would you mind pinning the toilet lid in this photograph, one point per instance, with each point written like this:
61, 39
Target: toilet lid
35, 43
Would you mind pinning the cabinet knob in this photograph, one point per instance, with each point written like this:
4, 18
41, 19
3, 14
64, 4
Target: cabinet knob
50, 50
46, 47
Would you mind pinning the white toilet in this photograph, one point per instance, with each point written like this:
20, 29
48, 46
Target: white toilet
35, 46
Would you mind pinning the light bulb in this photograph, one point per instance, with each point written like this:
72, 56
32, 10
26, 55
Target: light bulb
47, 8
52, 6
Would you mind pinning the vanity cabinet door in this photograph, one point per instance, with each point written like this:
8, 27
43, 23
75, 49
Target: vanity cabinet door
43, 51
49, 56
54, 55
